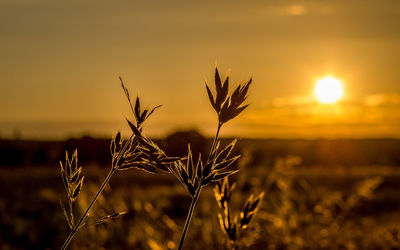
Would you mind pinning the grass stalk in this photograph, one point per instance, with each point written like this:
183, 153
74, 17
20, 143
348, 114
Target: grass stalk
196, 196
103, 185
189, 217
215, 140
76, 228
71, 212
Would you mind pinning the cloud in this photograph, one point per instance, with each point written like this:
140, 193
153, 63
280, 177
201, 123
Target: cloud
388, 99
374, 100
292, 101
287, 10
376, 115
311, 8
290, 10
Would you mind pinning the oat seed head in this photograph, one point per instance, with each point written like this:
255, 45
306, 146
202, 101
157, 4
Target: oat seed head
73, 183
227, 107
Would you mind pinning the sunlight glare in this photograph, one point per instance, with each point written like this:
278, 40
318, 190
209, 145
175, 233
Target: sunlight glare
328, 90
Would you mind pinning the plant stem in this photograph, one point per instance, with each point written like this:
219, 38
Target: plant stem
110, 174
76, 228
234, 246
70, 211
189, 217
214, 144
197, 194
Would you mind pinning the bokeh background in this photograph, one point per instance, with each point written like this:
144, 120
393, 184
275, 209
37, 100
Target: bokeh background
330, 172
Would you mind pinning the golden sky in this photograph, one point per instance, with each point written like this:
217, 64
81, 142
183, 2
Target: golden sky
60, 62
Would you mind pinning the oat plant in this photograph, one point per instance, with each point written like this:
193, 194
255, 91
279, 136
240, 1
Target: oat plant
194, 175
233, 227
142, 153
73, 182
135, 152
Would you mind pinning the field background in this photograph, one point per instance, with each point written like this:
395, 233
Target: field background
332, 194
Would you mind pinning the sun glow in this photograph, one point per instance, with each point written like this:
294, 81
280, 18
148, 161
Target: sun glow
328, 90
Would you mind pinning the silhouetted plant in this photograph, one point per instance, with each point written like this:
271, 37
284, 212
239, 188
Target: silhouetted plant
142, 153
73, 182
194, 176
234, 226
136, 152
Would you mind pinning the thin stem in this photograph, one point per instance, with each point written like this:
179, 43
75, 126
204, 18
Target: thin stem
110, 174
197, 194
214, 144
234, 246
70, 211
75, 230
189, 217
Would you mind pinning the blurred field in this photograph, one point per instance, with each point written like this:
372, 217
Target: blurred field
337, 207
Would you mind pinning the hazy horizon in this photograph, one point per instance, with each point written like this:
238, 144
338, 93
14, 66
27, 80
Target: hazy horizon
62, 130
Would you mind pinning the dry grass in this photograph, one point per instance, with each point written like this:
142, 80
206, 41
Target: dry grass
30, 216
73, 182
142, 153
136, 152
233, 227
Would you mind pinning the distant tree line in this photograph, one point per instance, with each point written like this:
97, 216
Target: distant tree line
345, 152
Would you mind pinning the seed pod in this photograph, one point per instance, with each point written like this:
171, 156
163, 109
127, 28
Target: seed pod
207, 169
220, 176
137, 109
222, 93
74, 161
226, 163
117, 142
217, 80
75, 175
189, 163
208, 179
78, 189
65, 180
134, 129
211, 97
199, 168
112, 147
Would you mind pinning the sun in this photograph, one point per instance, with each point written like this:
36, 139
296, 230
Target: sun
328, 90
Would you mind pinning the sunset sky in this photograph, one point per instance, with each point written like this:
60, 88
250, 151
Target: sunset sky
60, 62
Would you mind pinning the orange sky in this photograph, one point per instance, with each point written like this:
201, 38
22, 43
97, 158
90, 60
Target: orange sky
60, 62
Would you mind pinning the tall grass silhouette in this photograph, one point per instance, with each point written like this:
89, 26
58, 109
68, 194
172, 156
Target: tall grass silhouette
137, 151
195, 176
233, 226
73, 182
142, 153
